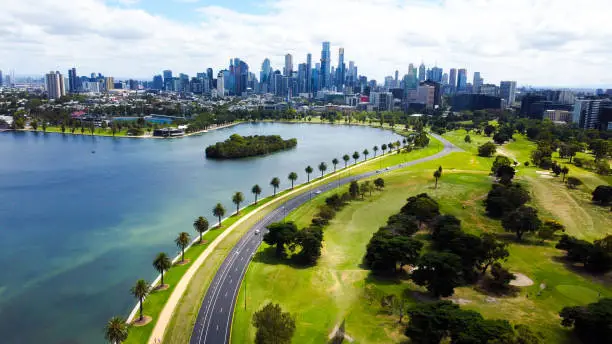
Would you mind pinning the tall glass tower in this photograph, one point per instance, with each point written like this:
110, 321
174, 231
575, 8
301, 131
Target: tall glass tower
325, 66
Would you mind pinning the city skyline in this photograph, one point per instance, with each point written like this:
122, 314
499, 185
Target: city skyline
135, 39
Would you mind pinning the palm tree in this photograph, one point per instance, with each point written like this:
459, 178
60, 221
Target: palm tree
292, 177
162, 263
335, 162
322, 168
437, 174
375, 150
365, 154
256, 190
200, 225
219, 212
346, 159
404, 141
275, 182
237, 199
140, 290
391, 145
181, 241
116, 330
356, 156
308, 171
384, 148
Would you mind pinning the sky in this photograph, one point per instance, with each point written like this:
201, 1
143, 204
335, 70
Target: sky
562, 43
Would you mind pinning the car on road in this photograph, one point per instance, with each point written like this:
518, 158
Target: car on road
257, 232
317, 192
387, 169
377, 171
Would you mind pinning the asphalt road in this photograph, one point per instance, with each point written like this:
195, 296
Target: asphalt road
213, 325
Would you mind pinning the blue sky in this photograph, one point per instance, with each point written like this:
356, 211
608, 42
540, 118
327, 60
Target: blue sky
535, 42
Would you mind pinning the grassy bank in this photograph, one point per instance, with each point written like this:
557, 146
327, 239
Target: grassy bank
338, 288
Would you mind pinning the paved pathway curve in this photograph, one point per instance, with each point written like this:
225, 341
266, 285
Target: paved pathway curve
213, 325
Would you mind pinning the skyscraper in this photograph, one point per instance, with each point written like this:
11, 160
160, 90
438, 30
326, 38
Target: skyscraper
209, 73
461, 80
478, 81
158, 82
445, 79
452, 78
54, 82
1, 79
340, 71
288, 70
168, 83
507, 91
422, 72
325, 66
220, 84
309, 73
436, 74
240, 73
73, 81
396, 78
266, 70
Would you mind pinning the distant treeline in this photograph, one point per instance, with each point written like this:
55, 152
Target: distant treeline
241, 147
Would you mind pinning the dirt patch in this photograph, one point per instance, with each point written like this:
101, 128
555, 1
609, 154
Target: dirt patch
142, 322
335, 333
461, 302
162, 287
521, 280
181, 263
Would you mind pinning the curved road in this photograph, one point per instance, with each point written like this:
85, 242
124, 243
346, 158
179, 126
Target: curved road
213, 325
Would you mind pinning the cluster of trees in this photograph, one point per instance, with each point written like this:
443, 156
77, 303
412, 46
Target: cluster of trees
444, 321
240, 147
273, 325
596, 257
487, 149
591, 323
457, 257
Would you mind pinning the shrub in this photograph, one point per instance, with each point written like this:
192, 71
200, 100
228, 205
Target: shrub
573, 182
602, 194
487, 150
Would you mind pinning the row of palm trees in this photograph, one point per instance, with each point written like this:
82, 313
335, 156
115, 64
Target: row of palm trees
116, 330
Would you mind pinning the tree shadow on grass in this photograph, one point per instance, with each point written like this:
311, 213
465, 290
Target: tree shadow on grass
578, 268
268, 256
526, 241
387, 279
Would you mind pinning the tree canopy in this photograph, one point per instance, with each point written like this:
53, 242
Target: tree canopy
241, 147
273, 325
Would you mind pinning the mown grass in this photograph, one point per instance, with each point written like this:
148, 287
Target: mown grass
97, 131
338, 288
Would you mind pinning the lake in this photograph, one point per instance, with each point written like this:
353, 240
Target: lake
81, 217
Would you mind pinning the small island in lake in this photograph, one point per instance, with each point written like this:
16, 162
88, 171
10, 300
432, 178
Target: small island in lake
245, 146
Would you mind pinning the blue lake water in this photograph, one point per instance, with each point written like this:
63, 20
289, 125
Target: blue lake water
77, 228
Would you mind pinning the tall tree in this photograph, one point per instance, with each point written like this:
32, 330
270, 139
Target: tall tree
356, 156
346, 159
238, 198
280, 234
256, 190
275, 183
365, 154
322, 168
335, 162
292, 177
140, 290
116, 330
437, 174
162, 263
182, 241
383, 148
375, 149
439, 272
219, 212
200, 225
492, 251
273, 325
522, 220
564, 171
308, 171
379, 183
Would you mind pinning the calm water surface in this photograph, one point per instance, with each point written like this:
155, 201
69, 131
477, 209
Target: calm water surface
77, 228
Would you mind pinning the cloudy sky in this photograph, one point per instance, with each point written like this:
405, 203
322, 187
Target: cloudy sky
536, 42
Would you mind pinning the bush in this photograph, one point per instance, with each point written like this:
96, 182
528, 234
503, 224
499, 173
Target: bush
592, 323
603, 168
602, 194
578, 162
573, 182
487, 150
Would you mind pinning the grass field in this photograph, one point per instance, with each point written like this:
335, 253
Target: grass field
97, 131
338, 288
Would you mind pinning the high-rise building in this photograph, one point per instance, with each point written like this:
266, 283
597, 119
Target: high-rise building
54, 82
507, 91
477, 84
168, 82
445, 79
158, 82
341, 70
309, 73
586, 113
209, 73
382, 101
266, 71
412, 70
325, 66
73, 81
109, 82
1, 79
239, 71
422, 72
220, 84
288, 70
436, 74
461, 80
452, 78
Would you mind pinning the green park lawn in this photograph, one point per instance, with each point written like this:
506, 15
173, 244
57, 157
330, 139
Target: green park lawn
97, 131
338, 288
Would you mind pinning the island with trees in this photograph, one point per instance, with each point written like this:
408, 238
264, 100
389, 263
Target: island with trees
237, 146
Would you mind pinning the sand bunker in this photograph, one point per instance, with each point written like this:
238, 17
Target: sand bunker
521, 280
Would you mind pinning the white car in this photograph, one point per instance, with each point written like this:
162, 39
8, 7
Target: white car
317, 192
257, 232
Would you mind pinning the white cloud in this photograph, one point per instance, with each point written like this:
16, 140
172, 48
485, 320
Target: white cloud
538, 42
